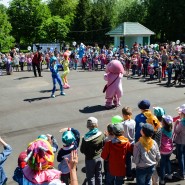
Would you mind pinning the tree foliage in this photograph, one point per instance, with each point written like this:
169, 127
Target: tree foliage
53, 29
63, 8
6, 39
88, 20
26, 16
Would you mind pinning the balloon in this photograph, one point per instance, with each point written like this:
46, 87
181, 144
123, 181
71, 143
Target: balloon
29, 48
116, 119
178, 42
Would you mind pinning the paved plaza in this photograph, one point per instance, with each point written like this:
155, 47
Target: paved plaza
26, 109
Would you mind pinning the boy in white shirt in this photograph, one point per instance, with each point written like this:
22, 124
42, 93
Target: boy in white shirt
129, 132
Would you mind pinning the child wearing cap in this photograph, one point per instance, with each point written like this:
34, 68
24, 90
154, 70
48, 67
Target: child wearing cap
166, 148
146, 155
91, 147
115, 152
146, 116
179, 138
71, 140
159, 112
129, 133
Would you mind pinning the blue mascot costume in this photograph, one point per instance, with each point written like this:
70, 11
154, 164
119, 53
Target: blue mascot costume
56, 76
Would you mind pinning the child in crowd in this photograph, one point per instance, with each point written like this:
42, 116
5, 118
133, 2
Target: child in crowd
159, 73
18, 173
89, 61
166, 148
91, 147
109, 135
3, 156
151, 71
29, 62
16, 61
146, 155
115, 152
76, 61
9, 65
179, 138
159, 113
146, 116
84, 61
169, 70
71, 139
129, 133
47, 59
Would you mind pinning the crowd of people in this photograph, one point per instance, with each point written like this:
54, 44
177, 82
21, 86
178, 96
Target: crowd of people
155, 60
148, 141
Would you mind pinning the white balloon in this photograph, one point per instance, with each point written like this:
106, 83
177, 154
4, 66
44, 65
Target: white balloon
29, 48
178, 42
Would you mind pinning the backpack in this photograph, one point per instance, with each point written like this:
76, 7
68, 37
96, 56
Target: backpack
40, 155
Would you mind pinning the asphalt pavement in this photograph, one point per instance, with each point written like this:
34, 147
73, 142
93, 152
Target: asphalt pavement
26, 109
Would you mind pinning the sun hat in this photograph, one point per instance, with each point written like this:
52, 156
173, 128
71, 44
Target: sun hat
168, 118
159, 111
181, 109
68, 137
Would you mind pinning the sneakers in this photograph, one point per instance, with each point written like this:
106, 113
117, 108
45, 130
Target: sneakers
178, 176
169, 177
52, 96
62, 93
162, 182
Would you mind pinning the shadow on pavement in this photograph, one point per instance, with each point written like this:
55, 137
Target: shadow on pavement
92, 109
22, 78
30, 100
47, 91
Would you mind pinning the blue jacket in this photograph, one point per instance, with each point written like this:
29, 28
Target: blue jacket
3, 156
140, 118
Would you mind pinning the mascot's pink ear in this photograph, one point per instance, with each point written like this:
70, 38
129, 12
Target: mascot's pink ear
115, 67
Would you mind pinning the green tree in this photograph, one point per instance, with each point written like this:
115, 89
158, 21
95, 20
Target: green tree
82, 21
53, 29
103, 16
6, 39
63, 8
26, 16
166, 18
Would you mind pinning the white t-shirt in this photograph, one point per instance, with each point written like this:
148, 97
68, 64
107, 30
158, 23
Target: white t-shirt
129, 129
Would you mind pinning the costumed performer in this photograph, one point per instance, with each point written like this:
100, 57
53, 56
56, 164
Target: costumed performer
65, 64
56, 76
114, 91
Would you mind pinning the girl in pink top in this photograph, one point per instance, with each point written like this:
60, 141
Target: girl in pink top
166, 148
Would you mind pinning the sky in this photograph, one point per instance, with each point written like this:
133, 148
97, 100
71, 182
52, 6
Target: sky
5, 2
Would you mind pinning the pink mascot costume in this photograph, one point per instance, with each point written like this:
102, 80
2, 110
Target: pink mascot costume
114, 90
